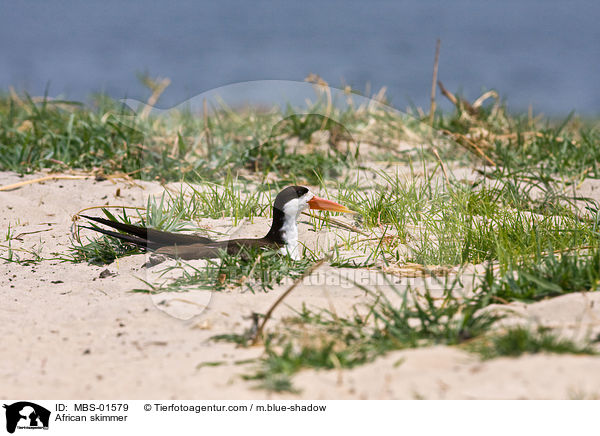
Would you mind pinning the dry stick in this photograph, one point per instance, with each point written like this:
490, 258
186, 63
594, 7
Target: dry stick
448, 94
175, 149
108, 207
433, 81
41, 179
261, 327
470, 109
500, 299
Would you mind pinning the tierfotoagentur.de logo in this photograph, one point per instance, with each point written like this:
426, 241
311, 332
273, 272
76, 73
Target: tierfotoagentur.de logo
26, 415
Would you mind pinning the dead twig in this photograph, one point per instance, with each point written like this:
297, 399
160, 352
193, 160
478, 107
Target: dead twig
458, 102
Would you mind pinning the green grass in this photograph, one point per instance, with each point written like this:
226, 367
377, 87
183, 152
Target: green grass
253, 270
18, 255
99, 251
162, 214
38, 133
104, 249
323, 340
455, 223
554, 148
59, 135
64, 134
549, 276
516, 341
512, 218
232, 199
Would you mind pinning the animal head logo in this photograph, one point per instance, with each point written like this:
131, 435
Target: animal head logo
26, 415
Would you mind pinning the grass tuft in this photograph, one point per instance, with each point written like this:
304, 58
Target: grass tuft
550, 276
517, 341
253, 270
323, 340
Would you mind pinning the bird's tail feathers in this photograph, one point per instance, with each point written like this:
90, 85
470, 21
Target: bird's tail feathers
142, 243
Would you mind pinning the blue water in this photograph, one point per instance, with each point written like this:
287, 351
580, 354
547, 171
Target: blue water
543, 53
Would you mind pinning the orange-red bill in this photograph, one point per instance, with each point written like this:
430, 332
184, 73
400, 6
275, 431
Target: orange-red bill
318, 203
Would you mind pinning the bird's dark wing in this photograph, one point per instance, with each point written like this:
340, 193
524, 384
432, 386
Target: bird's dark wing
193, 251
154, 238
214, 249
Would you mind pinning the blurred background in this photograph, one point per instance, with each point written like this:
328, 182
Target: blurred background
540, 53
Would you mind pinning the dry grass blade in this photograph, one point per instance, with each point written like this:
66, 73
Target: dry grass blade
442, 165
39, 180
338, 223
157, 86
469, 145
207, 132
434, 79
30, 233
490, 94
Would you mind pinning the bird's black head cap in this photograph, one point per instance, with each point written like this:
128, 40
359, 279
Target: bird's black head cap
288, 194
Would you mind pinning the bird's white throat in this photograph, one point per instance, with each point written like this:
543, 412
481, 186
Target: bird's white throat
289, 230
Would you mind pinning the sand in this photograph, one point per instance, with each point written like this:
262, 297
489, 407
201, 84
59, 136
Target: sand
68, 333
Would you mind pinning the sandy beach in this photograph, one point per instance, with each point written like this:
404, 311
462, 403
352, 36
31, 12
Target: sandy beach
73, 330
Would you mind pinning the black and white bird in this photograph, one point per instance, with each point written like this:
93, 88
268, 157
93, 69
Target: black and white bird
283, 235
